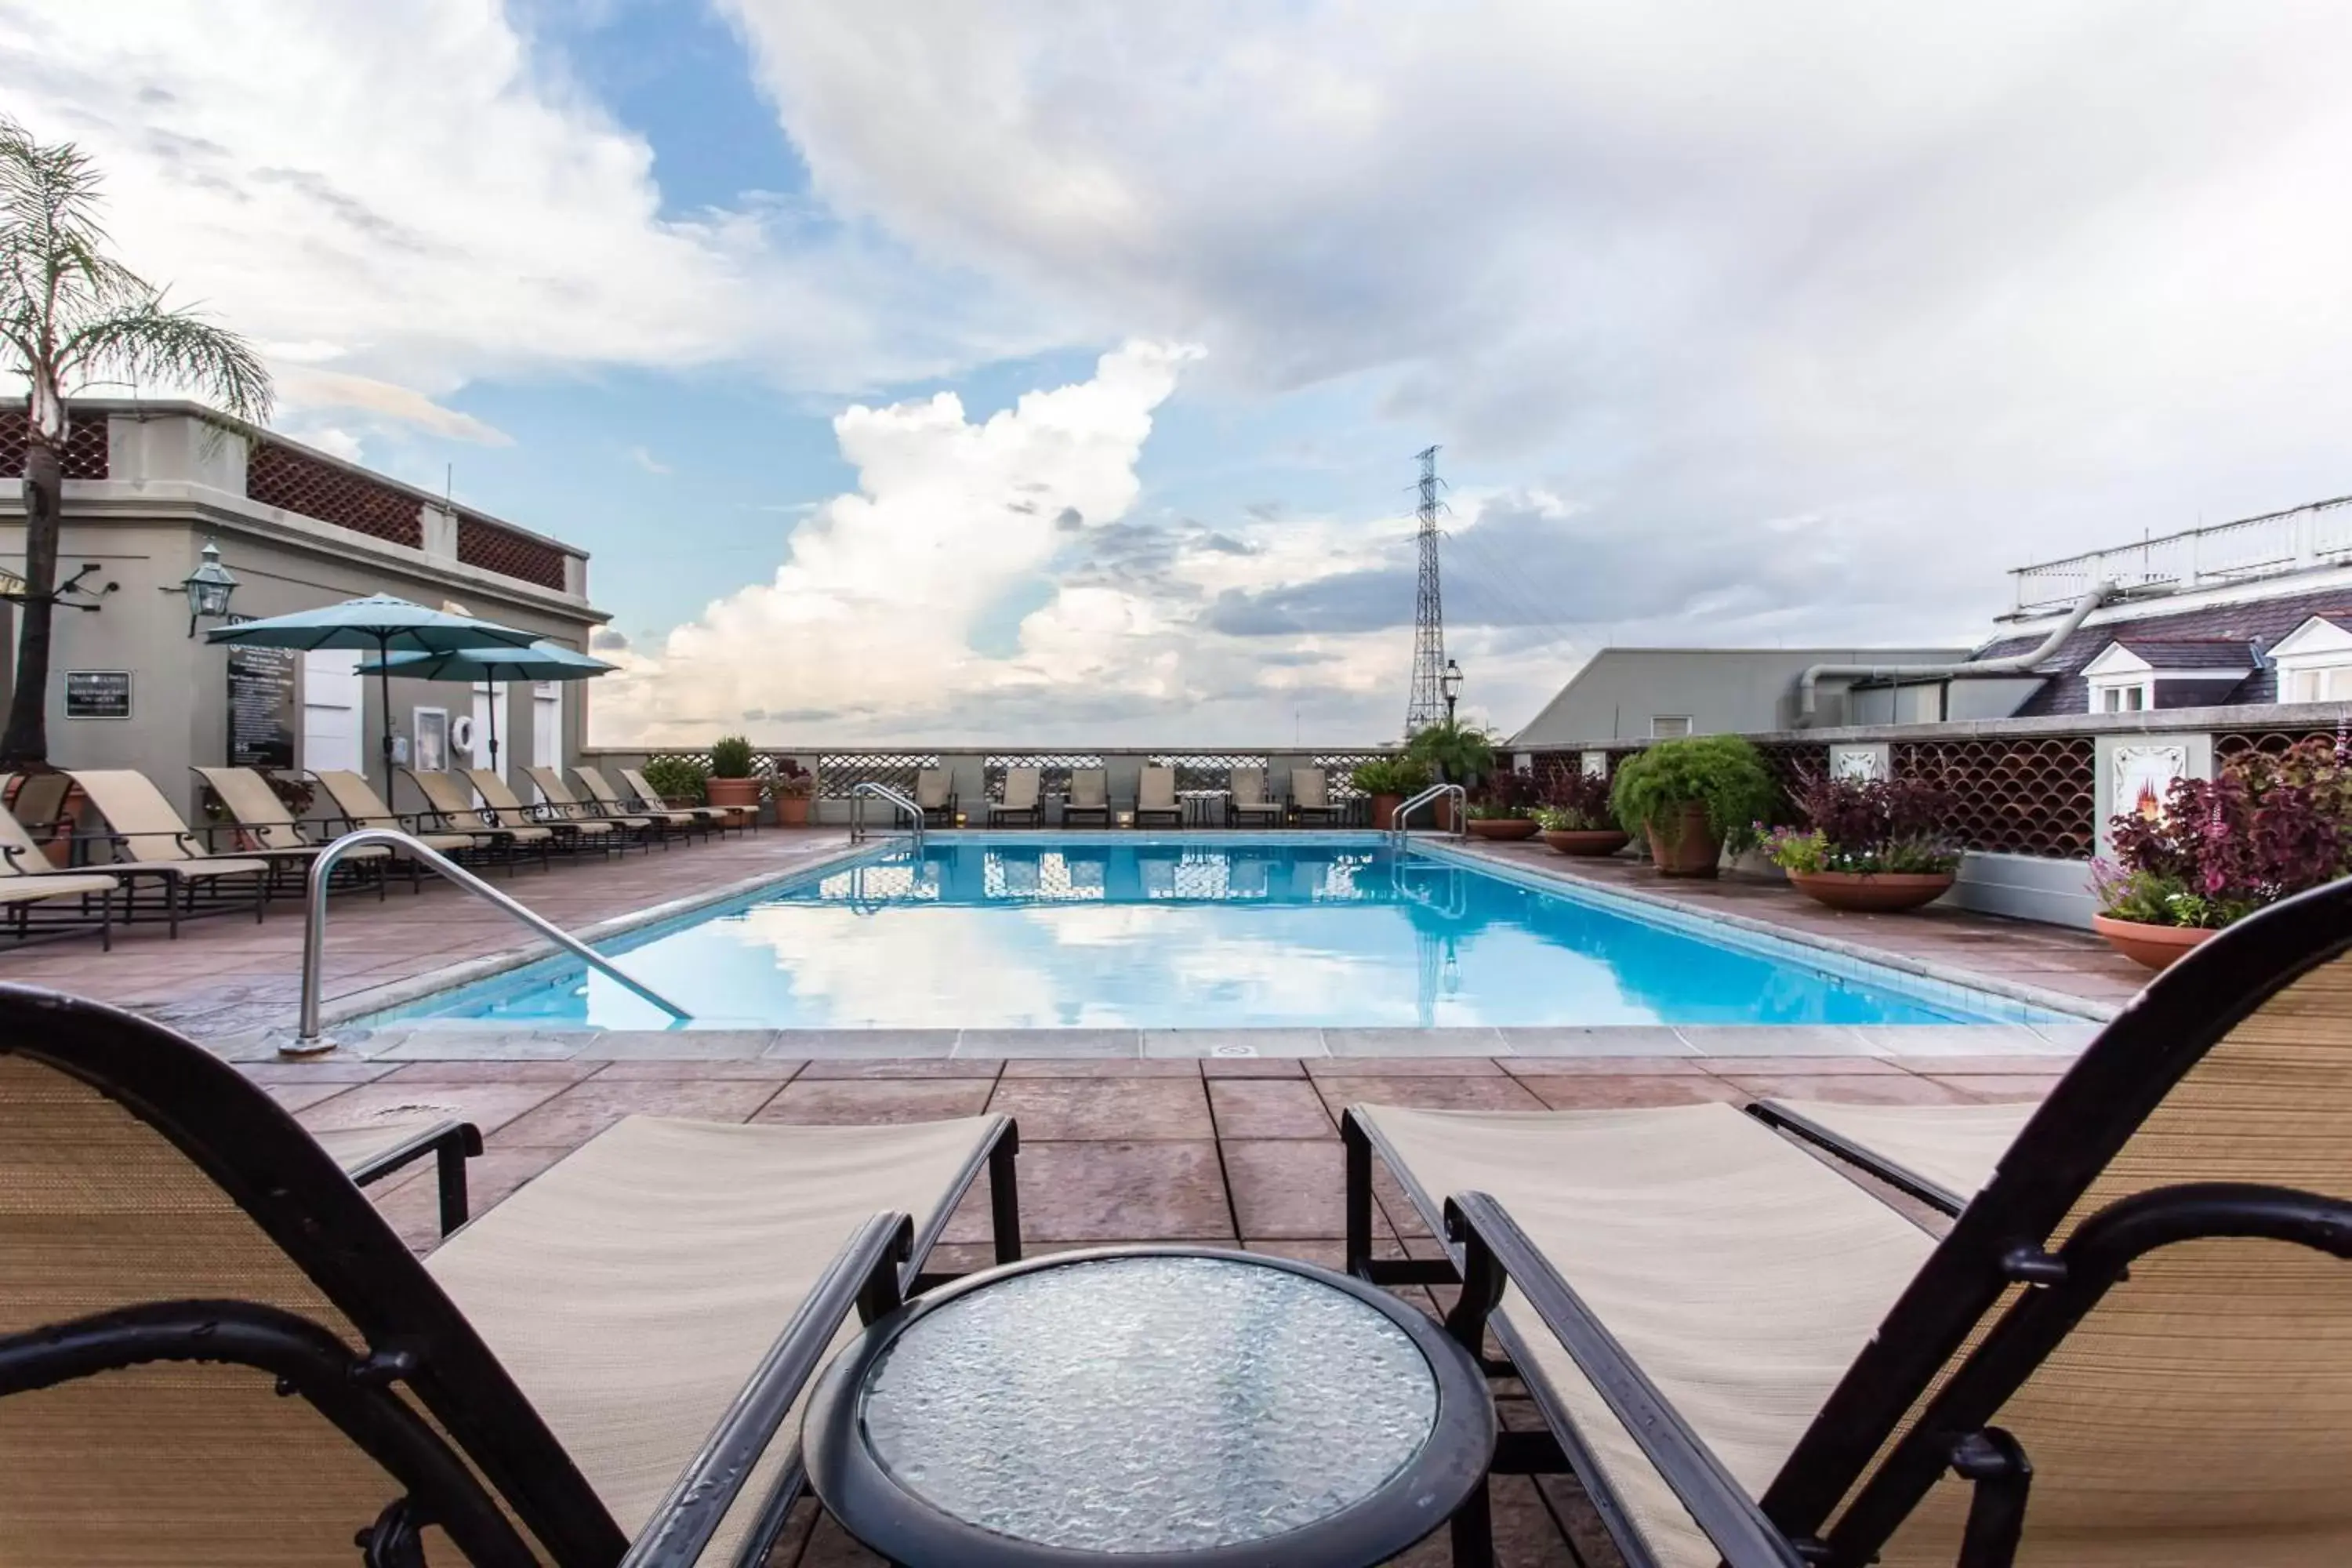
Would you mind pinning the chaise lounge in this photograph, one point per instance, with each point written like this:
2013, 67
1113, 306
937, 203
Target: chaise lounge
29, 883
1155, 799
1250, 805
152, 842
1089, 798
451, 800
214, 1349
1022, 787
2128, 1350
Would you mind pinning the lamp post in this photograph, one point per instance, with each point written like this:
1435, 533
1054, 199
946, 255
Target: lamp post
208, 588
1452, 684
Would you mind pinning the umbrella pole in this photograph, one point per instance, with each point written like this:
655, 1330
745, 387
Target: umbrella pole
383, 684
491, 688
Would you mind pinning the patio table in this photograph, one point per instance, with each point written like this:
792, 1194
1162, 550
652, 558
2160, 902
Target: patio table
1151, 1407
1204, 807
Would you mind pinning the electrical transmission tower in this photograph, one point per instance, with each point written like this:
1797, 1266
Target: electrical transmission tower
1426, 704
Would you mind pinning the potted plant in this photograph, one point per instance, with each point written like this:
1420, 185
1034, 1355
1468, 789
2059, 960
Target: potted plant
1873, 846
679, 781
1507, 810
731, 784
1389, 780
1575, 819
794, 787
1691, 799
2217, 851
1457, 753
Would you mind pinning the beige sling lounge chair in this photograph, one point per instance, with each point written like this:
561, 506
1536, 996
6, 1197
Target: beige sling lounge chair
357, 806
1250, 804
29, 884
2131, 1349
214, 1350
569, 807
1311, 795
1941, 1154
1155, 798
150, 842
451, 800
935, 797
613, 804
1089, 797
507, 809
709, 815
269, 828
1021, 791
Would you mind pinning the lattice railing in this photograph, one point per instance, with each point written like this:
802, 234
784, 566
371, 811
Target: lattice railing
280, 476
1792, 764
1341, 765
1052, 768
1199, 771
509, 553
838, 772
2273, 743
83, 459
2025, 795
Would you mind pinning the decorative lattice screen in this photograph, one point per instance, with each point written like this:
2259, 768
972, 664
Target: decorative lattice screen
507, 554
838, 772
281, 477
2025, 795
1052, 768
85, 454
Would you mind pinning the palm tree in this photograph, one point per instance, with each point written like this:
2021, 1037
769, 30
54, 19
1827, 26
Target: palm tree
72, 318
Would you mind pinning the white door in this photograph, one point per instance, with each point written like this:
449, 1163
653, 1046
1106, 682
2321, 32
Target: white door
333, 694
488, 699
547, 725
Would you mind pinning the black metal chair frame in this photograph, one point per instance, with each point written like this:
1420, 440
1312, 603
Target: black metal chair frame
485, 1452
485, 824
1996, 1243
451, 1144
1895, 1174
32, 920
180, 892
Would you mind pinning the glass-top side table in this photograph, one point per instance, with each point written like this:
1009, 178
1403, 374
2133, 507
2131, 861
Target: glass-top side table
1149, 1405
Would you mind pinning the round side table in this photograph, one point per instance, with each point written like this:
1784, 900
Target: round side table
1152, 1407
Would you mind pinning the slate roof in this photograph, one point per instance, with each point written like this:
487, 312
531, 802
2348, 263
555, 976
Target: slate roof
2192, 653
2215, 626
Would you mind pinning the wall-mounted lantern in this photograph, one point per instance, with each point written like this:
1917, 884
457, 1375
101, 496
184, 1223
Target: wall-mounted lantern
208, 588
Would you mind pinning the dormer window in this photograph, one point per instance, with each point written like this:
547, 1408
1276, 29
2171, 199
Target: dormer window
2135, 675
2315, 661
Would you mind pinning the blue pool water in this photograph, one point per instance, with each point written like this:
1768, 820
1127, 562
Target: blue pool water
1329, 930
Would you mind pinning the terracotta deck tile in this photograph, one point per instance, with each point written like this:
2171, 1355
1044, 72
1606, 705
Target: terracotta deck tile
1403, 1066
1286, 1187
489, 1106
1098, 1068
1605, 1066
1862, 1089
1253, 1066
1269, 1108
579, 1113
1057, 1109
764, 1069
1596, 1091
1796, 1067
984, 1067
846, 1102
1163, 1190
1495, 1093
302, 1096
563, 1073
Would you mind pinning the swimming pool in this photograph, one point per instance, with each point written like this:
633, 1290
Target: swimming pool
1296, 930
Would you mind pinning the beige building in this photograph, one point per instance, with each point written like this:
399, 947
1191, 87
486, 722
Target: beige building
148, 485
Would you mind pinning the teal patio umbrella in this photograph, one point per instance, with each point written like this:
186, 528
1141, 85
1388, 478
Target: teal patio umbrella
540, 661
378, 623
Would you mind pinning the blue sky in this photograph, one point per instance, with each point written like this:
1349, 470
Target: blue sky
1734, 331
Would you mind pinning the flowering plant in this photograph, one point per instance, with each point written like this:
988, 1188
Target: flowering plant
791, 781
2218, 849
1873, 827
1576, 802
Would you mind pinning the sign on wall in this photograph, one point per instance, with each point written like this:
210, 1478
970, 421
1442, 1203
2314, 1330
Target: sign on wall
261, 713
98, 694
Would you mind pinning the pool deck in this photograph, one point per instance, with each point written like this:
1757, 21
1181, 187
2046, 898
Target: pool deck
1217, 1137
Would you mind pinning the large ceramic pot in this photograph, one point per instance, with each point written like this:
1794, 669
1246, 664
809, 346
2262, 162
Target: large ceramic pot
1586, 840
1873, 892
733, 795
1696, 849
1503, 826
793, 810
2150, 946
1384, 810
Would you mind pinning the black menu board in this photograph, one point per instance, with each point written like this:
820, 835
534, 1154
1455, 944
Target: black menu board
260, 706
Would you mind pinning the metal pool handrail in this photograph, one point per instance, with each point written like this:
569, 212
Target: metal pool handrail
871, 790
1461, 810
307, 1040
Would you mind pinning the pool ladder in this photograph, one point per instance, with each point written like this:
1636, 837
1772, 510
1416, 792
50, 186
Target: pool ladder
310, 1041
1434, 792
869, 790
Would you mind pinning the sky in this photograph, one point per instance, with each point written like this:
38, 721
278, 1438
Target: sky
1049, 371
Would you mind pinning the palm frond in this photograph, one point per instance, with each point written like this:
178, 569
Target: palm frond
54, 269
150, 342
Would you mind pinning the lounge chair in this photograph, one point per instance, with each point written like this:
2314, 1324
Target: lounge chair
1155, 799
357, 806
556, 796
1020, 788
1311, 795
1249, 803
709, 815
2144, 1313
150, 841
29, 882
1941, 1154
1089, 797
615, 804
214, 1349
369, 1154
935, 797
38, 801
450, 801
507, 809
269, 829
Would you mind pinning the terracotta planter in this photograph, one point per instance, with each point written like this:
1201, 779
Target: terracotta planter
733, 795
1384, 810
1587, 840
1502, 827
1873, 892
1697, 851
793, 810
2151, 947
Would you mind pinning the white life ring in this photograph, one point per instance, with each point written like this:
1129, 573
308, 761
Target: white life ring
461, 733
